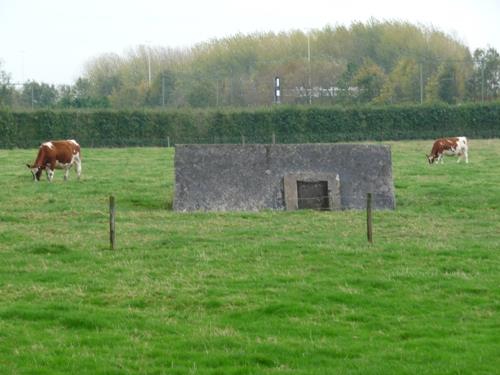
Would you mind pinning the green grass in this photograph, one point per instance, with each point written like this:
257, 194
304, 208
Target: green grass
248, 293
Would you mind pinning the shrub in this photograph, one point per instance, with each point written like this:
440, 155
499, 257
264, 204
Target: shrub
290, 124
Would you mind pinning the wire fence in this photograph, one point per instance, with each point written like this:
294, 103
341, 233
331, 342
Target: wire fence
272, 138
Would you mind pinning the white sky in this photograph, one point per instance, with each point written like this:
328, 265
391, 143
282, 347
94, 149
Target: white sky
50, 40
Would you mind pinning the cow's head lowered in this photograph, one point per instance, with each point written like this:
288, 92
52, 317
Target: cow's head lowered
430, 158
35, 171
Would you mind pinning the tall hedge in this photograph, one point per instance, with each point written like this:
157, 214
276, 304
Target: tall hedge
106, 128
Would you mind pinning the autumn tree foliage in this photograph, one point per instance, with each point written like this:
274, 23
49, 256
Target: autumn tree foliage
377, 62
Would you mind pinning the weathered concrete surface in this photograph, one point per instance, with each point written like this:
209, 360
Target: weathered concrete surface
251, 177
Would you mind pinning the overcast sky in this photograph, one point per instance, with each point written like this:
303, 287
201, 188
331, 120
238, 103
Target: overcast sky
50, 40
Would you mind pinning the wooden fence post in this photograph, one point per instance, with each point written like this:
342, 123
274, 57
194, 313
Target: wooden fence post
242, 139
112, 222
369, 226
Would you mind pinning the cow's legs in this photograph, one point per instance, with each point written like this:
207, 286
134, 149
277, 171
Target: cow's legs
463, 156
78, 165
66, 173
50, 174
50, 170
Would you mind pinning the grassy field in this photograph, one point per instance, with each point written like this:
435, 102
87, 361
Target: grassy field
248, 293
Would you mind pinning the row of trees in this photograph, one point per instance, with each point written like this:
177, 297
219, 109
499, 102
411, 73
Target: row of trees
36, 95
377, 63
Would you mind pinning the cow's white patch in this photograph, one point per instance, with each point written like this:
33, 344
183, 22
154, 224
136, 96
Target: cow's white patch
78, 164
464, 148
60, 165
50, 174
74, 142
48, 144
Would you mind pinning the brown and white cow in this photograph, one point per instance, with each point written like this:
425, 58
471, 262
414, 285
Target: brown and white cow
57, 155
456, 146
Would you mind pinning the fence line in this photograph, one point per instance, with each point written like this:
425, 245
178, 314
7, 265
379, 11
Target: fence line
248, 139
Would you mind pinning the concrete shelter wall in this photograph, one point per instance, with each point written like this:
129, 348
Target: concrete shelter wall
250, 177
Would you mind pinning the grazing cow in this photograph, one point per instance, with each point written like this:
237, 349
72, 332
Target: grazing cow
57, 154
456, 146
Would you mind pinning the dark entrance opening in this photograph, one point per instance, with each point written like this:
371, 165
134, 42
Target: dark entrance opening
313, 195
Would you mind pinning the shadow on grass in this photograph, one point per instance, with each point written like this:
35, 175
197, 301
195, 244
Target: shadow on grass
48, 249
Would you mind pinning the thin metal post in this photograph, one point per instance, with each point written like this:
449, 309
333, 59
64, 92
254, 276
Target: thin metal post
369, 226
168, 141
112, 233
274, 138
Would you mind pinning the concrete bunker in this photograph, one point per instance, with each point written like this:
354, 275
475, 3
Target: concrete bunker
282, 177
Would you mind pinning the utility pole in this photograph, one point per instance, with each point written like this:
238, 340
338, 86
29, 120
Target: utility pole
309, 65
22, 65
217, 92
149, 67
163, 90
148, 56
482, 82
421, 84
